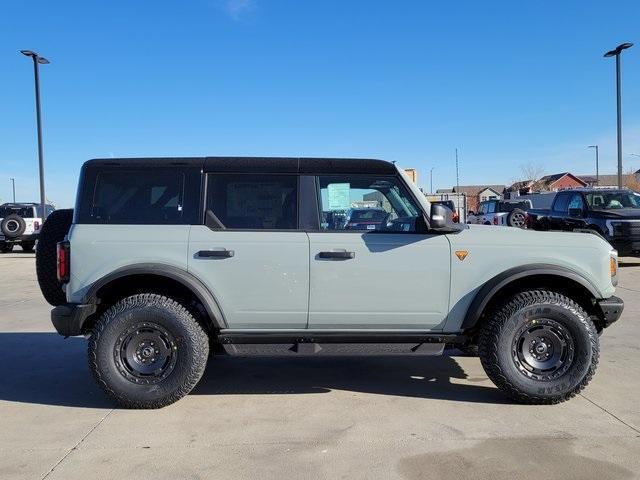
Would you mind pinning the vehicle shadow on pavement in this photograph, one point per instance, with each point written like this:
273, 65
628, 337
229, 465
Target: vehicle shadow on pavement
44, 368
407, 376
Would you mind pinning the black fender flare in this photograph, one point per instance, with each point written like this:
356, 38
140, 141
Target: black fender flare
494, 285
190, 281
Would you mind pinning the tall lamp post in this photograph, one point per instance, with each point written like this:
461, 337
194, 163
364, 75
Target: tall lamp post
597, 173
13, 185
616, 53
431, 180
38, 60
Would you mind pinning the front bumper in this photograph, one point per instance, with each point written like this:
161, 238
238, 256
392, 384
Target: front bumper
610, 310
69, 318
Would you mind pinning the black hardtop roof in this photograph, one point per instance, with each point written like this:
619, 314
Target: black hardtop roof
257, 164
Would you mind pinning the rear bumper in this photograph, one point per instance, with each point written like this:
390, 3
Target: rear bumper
610, 308
68, 319
31, 237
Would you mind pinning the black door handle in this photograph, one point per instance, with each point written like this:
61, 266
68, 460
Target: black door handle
337, 255
215, 254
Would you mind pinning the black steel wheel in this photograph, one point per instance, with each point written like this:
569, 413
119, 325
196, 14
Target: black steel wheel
543, 349
148, 351
539, 348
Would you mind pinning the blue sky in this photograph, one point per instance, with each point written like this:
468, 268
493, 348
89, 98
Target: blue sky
508, 83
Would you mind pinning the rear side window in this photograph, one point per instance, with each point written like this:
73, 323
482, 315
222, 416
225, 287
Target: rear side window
138, 197
560, 205
252, 202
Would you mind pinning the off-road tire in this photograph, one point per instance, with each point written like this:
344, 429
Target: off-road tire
497, 338
191, 349
6, 247
27, 246
53, 231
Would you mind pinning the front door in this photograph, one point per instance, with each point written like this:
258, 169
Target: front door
250, 253
369, 267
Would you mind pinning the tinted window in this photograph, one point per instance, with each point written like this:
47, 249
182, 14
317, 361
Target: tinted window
491, 207
369, 203
24, 212
560, 205
138, 196
576, 202
613, 200
509, 206
254, 202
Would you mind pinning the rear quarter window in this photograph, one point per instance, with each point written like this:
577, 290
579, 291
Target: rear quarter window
132, 196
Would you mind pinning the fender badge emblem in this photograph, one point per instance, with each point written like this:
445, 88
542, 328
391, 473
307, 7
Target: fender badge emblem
461, 254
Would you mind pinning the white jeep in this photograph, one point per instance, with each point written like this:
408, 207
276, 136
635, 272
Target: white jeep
20, 224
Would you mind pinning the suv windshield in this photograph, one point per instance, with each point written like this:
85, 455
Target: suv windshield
24, 212
612, 200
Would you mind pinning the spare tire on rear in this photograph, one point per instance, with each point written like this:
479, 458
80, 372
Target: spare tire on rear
13, 226
53, 231
517, 218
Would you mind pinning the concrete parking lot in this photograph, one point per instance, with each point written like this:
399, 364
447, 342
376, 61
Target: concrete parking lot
344, 417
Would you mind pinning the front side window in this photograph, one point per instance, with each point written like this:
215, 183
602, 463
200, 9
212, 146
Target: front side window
366, 203
138, 197
253, 202
491, 207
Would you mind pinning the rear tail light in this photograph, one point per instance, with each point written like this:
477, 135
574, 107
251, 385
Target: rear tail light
36, 225
64, 261
495, 220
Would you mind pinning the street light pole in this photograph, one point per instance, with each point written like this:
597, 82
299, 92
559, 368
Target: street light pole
616, 53
13, 184
38, 60
431, 180
597, 174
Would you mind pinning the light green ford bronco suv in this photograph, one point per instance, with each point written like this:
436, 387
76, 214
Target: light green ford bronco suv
165, 260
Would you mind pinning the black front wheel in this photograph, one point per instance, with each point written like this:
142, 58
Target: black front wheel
540, 347
148, 351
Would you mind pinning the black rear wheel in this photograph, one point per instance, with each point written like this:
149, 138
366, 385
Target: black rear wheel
539, 348
6, 247
148, 351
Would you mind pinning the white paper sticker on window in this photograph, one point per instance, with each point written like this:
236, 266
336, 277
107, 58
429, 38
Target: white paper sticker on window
338, 194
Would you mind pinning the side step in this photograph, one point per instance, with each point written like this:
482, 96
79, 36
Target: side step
335, 343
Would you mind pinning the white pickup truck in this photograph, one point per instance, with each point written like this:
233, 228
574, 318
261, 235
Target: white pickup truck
506, 213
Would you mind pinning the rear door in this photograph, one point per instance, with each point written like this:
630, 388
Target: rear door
250, 252
389, 278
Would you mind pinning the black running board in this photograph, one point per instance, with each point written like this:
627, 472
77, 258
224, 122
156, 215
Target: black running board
228, 337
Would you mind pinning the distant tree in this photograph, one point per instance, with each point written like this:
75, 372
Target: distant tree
630, 180
529, 172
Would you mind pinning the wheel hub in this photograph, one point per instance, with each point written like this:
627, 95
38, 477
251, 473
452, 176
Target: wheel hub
12, 225
145, 353
543, 349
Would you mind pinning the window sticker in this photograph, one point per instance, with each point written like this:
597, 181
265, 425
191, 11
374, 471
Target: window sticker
338, 194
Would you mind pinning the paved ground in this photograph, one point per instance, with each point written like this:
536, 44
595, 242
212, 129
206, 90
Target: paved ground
352, 418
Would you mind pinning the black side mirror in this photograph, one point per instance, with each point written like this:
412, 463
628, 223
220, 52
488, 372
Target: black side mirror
576, 212
438, 216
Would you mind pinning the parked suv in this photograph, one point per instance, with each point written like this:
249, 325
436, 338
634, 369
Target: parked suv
612, 213
506, 213
20, 225
166, 260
